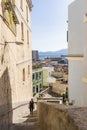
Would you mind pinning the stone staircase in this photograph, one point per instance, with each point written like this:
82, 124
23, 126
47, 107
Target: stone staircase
31, 123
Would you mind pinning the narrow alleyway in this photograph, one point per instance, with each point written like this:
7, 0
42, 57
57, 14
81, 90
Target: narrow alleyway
31, 123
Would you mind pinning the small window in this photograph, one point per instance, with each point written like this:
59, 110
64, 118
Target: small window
33, 76
40, 75
22, 31
23, 74
27, 37
21, 4
40, 86
27, 13
36, 76
33, 89
37, 88
28, 69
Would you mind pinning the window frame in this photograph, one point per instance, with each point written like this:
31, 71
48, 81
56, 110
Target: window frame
23, 74
22, 31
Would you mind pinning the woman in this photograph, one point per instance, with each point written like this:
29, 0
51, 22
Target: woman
31, 106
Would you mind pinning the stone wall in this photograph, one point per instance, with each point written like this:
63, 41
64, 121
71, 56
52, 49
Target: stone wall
5, 118
60, 117
8, 115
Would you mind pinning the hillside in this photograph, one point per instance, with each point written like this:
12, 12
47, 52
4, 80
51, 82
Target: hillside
58, 53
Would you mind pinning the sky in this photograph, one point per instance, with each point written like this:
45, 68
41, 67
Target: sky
49, 24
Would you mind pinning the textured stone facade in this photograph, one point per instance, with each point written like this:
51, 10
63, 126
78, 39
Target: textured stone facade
15, 56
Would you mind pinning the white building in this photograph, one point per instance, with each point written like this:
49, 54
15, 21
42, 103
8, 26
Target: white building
15, 53
47, 78
77, 53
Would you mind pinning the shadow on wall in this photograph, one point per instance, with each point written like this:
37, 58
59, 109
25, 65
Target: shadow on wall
5, 101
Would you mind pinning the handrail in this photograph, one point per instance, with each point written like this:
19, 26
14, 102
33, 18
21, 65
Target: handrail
4, 114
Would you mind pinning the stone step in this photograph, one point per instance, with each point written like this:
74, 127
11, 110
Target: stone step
31, 123
25, 126
35, 119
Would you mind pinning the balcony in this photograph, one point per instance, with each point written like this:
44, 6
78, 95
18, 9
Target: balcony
75, 57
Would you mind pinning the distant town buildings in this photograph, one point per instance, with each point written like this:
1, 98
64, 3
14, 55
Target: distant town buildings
35, 55
77, 53
15, 54
54, 74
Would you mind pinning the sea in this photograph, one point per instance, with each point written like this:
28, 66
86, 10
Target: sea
43, 56
54, 54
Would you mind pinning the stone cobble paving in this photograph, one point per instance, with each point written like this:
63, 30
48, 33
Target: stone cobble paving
79, 116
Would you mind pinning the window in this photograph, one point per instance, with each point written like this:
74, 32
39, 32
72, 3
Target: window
33, 89
21, 4
27, 37
37, 88
33, 76
40, 86
27, 13
22, 31
28, 69
40, 75
36, 76
23, 74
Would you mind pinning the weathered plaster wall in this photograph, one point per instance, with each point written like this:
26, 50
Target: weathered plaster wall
77, 49
61, 117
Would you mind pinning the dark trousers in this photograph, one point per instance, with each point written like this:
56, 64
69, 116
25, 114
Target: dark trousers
31, 110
